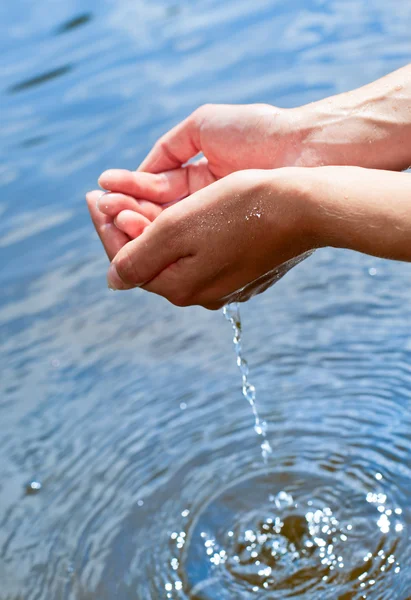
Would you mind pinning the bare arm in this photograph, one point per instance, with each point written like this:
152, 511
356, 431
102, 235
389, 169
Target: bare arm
238, 225
368, 127
362, 209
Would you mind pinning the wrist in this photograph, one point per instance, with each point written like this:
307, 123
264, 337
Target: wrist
365, 210
296, 194
369, 127
323, 210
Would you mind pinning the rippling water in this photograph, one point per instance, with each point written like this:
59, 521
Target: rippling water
129, 466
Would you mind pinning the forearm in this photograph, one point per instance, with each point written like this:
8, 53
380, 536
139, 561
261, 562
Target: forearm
368, 127
361, 209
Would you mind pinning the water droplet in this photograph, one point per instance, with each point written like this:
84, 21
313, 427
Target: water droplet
33, 488
232, 314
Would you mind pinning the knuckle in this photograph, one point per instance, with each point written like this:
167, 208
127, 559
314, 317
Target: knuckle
161, 185
164, 148
161, 143
202, 112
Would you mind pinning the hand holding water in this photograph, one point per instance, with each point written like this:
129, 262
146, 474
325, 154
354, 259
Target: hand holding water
225, 243
212, 232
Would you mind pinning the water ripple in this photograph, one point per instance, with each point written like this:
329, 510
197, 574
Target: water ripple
127, 412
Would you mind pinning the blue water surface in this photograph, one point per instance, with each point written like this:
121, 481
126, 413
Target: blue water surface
128, 410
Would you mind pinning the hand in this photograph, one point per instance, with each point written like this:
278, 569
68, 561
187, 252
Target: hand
231, 138
367, 127
227, 242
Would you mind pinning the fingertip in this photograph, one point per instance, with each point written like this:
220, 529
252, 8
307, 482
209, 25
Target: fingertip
91, 196
114, 281
107, 178
92, 199
100, 203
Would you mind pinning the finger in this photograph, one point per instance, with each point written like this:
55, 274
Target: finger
199, 175
177, 146
131, 223
112, 204
112, 238
157, 248
161, 188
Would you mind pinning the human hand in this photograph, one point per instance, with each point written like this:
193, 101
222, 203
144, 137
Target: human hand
230, 137
228, 241
225, 243
368, 127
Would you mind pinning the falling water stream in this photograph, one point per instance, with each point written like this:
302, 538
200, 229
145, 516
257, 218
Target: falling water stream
281, 533
232, 314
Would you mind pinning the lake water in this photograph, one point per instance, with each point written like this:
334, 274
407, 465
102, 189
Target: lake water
129, 411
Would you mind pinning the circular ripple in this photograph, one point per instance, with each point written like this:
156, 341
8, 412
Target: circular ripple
290, 534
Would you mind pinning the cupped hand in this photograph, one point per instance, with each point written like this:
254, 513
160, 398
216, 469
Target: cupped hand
230, 137
225, 243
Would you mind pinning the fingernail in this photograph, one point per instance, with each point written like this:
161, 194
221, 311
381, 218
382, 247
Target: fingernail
114, 281
99, 199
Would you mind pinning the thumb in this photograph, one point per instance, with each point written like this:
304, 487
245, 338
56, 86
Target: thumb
142, 259
177, 146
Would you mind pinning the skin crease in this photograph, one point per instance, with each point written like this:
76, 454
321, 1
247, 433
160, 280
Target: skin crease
234, 228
